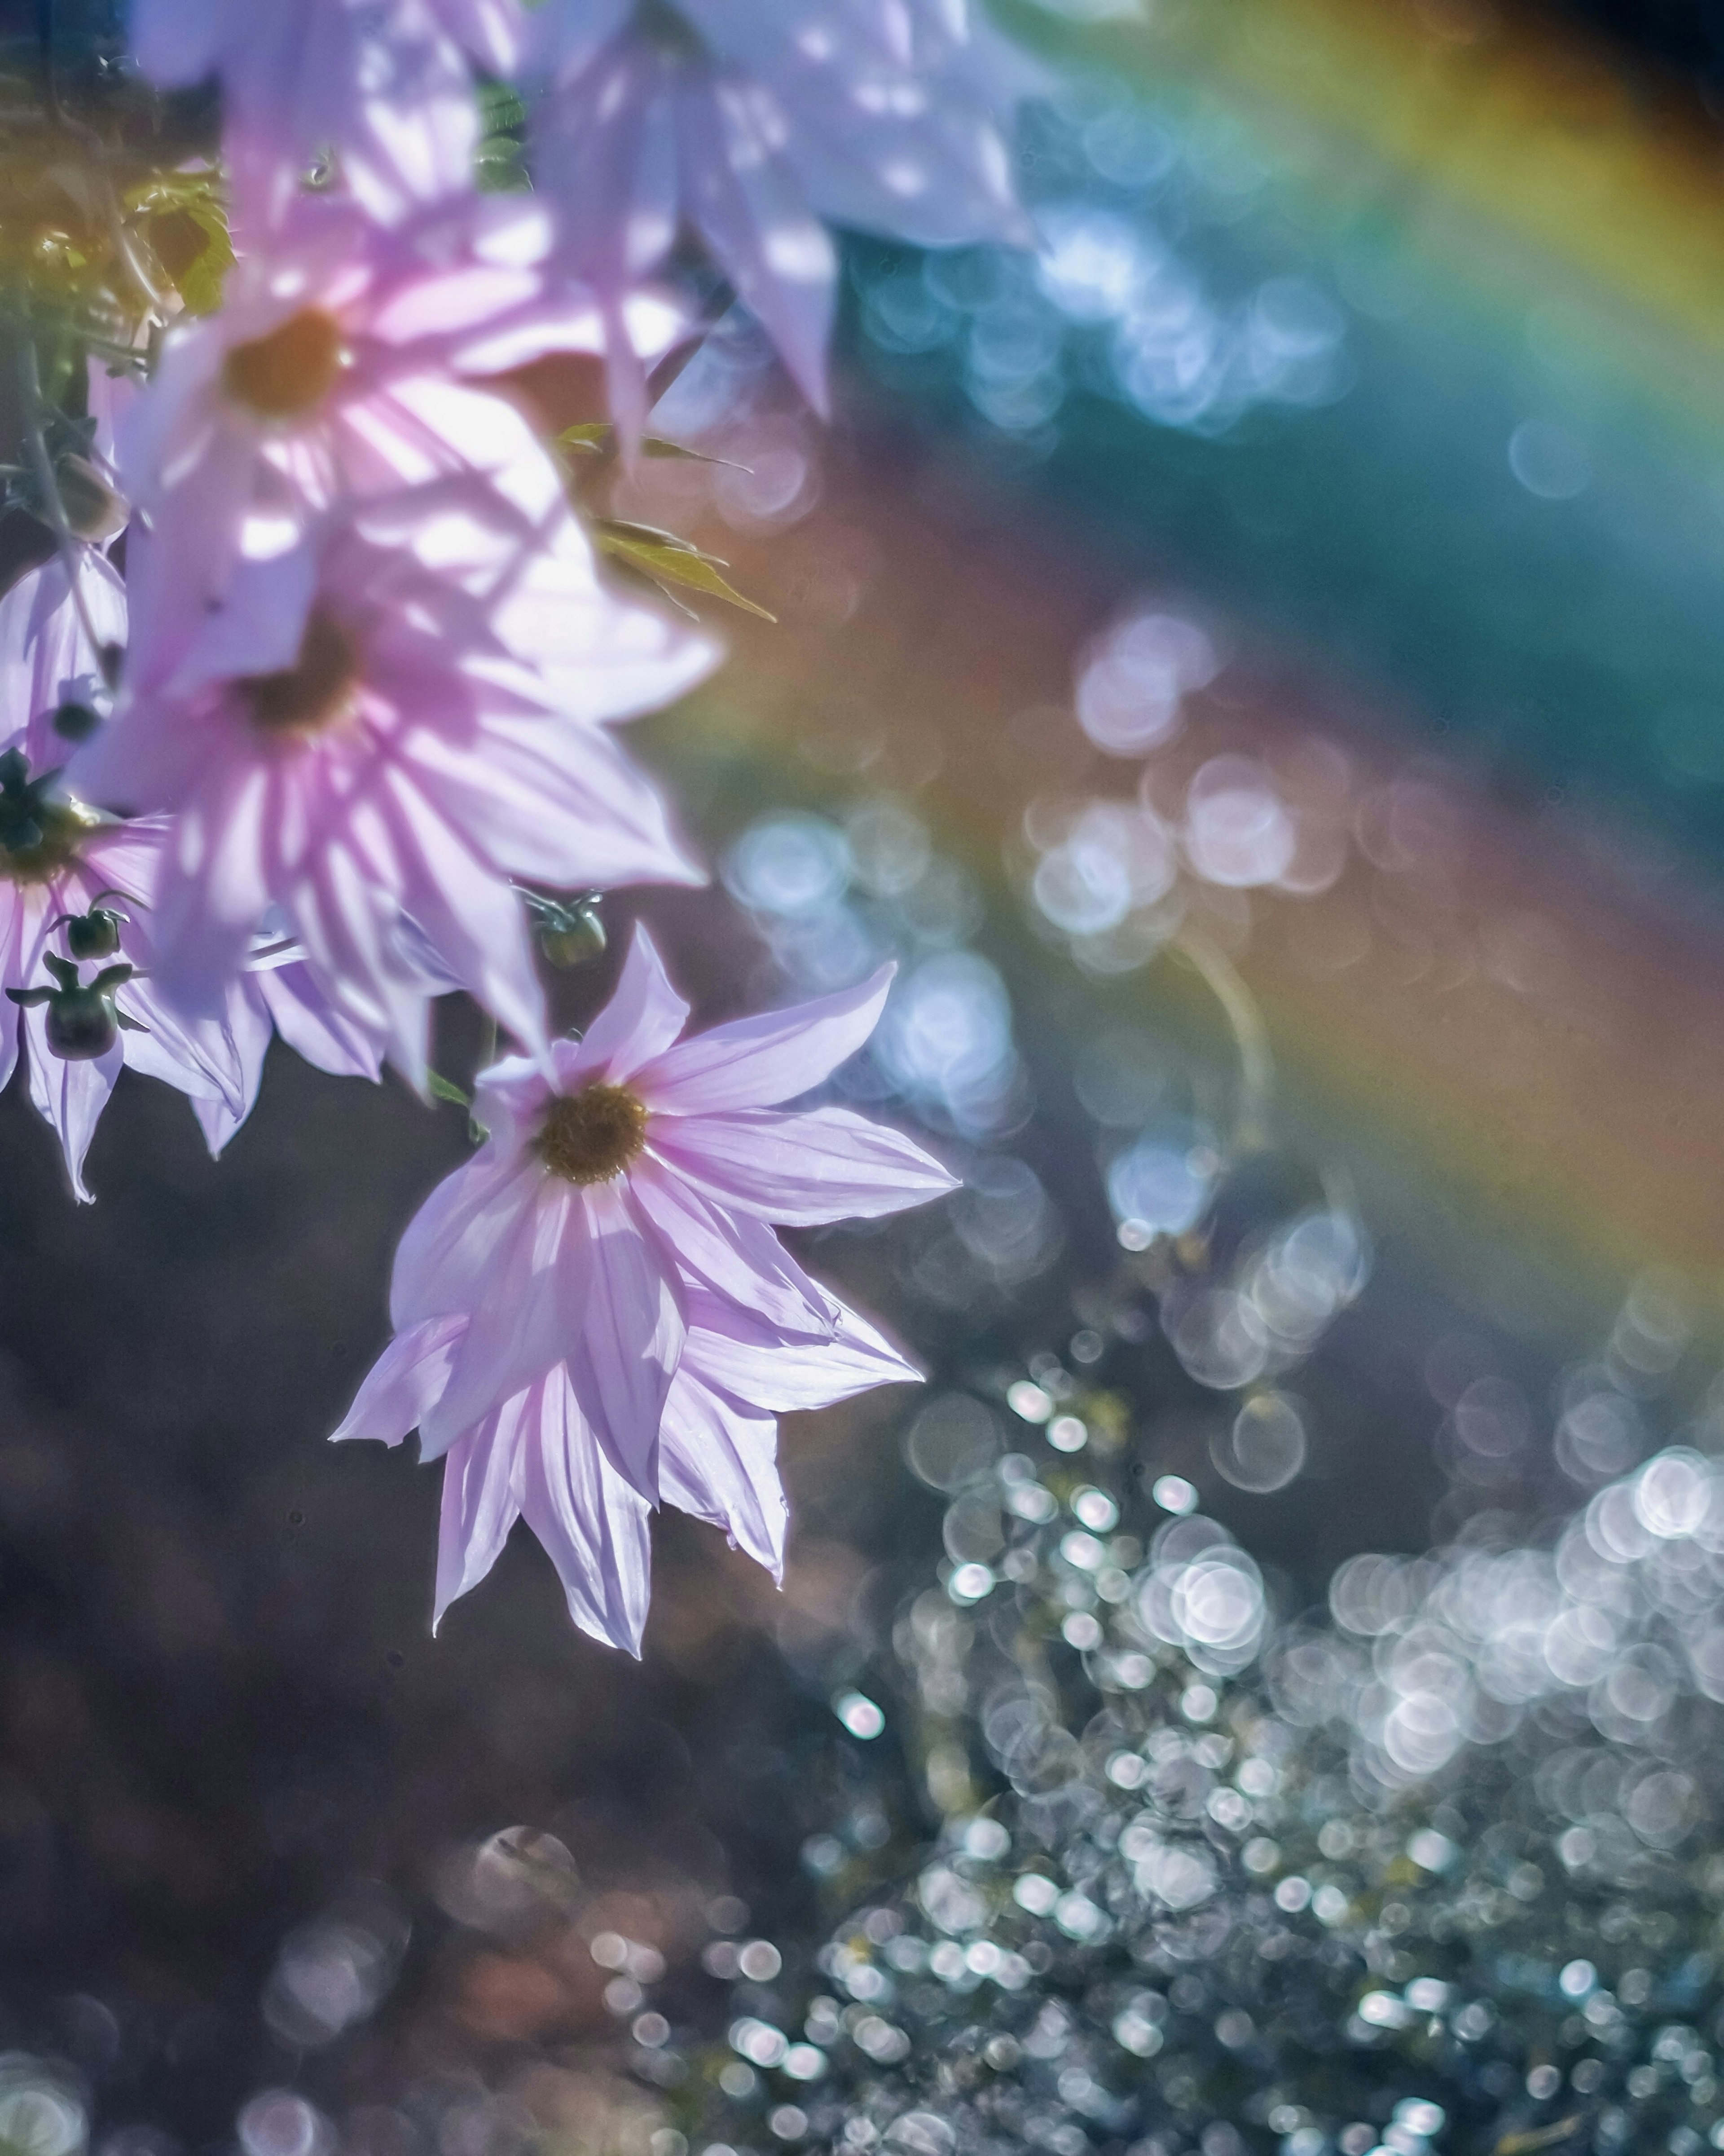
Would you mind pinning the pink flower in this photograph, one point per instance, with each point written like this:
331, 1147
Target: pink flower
72, 883
329, 374
386, 88
352, 742
594, 1315
749, 121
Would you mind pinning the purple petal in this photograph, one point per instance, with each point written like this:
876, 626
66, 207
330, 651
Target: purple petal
594, 1526
524, 1318
471, 918
554, 803
313, 1028
781, 1376
257, 627
824, 1164
757, 1062
718, 1460
23, 930
175, 42
213, 891
492, 30
745, 197
450, 1244
481, 1481
735, 1255
630, 1337
45, 658
639, 1021
71, 1095
404, 1383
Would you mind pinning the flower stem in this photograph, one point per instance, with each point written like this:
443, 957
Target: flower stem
1221, 976
48, 487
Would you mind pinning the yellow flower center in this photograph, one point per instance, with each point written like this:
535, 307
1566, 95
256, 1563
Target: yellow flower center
591, 1135
285, 373
317, 689
62, 830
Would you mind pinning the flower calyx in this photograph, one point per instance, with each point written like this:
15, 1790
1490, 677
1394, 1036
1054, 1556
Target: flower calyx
593, 1136
75, 722
569, 932
95, 934
84, 1021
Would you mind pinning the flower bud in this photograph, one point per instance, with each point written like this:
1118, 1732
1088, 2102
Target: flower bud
75, 722
94, 934
569, 935
93, 508
81, 1026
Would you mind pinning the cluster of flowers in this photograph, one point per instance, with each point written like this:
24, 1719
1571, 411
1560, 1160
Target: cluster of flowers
365, 692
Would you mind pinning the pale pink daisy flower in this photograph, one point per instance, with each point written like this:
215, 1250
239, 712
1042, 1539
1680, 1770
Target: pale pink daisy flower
351, 744
331, 372
750, 122
385, 89
594, 1315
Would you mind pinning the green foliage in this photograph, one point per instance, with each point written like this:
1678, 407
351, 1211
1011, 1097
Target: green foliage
664, 561
499, 163
182, 220
597, 438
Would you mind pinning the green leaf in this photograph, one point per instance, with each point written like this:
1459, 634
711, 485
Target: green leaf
444, 1089
593, 436
666, 559
498, 168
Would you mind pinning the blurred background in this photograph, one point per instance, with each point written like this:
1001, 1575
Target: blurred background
1257, 666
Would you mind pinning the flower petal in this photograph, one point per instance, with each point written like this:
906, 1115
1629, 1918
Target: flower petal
521, 1326
734, 1256
481, 1501
744, 195
824, 1164
719, 1461
71, 1095
448, 1248
404, 1382
756, 1062
311, 1025
630, 1336
639, 1021
784, 1378
594, 1526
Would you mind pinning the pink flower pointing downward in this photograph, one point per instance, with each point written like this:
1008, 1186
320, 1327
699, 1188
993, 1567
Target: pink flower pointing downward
72, 883
749, 121
352, 744
385, 87
594, 1316
332, 373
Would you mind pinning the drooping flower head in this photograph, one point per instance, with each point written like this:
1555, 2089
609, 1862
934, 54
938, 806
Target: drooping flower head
78, 890
749, 122
594, 1314
352, 744
385, 91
